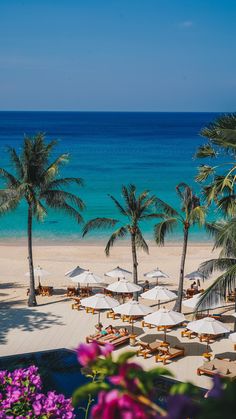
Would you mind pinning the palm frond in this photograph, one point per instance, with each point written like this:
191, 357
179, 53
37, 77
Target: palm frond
198, 215
98, 223
166, 208
140, 241
11, 180
227, 205
204, 171
17, 163
119, 233
52, 169
206, 151
163, 228
118, 205
61, 182
221, 264
62, 196
217, 292
68, 209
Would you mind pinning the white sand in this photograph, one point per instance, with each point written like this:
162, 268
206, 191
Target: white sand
53, 324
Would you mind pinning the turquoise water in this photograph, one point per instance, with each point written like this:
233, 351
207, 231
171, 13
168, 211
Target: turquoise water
152, 150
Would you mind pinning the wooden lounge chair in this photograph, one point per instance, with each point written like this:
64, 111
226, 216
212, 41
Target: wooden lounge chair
146, 349
208, 338
165, 355
188, 334
145, 324
76, 305
223, 368
90, 310
130, 319
112, 315
120, 341
46, 291
71, 292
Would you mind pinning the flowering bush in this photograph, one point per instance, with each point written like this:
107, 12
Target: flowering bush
21, 397
125, 391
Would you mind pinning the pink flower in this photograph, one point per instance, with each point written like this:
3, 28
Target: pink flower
87, 353
125, 378
116, 406
107, 349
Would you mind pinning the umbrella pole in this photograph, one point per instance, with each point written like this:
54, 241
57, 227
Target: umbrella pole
132, 326
164, 334
158, 304
99, 317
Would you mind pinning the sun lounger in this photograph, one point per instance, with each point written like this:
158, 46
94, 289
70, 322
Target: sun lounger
208, 338
46, 291
167, 354
129, 319
221, 367
188, 334
144, 324
146, 349
120, 340
90, 310
76, 305
112, 315
71, 292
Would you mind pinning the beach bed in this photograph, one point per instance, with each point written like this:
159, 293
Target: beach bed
167, 354
222, 367
146, 349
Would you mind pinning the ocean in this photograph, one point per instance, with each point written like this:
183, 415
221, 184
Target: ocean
108, 149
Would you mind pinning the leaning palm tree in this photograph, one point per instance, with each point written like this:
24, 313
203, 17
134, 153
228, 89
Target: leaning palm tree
191, 213
221, 136
135, 209
35, 181
224, 234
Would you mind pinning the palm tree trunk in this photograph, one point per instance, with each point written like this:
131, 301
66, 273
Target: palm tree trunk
178, 304
135, 263
235, 309
32, 298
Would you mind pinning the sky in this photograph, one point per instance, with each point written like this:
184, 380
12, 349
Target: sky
118, 55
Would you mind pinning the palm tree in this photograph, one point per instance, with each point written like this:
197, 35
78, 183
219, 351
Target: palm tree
221, 135
35, 181
135, 209
191, 213
224, 233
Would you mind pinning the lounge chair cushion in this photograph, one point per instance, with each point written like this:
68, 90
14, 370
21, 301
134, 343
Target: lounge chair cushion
208, 366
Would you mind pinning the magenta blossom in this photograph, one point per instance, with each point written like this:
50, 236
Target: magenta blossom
119, 406
107, 349
125, 377
88, 353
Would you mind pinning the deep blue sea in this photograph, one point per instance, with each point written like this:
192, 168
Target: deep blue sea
108, 149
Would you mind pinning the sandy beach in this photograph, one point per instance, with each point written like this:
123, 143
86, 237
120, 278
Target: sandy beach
53, 324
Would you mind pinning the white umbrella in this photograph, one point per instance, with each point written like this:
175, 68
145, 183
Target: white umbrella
195, 275
232, 337
133, 308
76, 271
159, 294
208, 326
124, 286
99, 302
39, 273
87, 277
156, 273
164, 317
118, 273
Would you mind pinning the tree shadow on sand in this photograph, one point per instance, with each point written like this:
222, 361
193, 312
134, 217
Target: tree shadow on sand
14, 316
7, 285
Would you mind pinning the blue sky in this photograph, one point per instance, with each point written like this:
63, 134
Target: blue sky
140, 55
